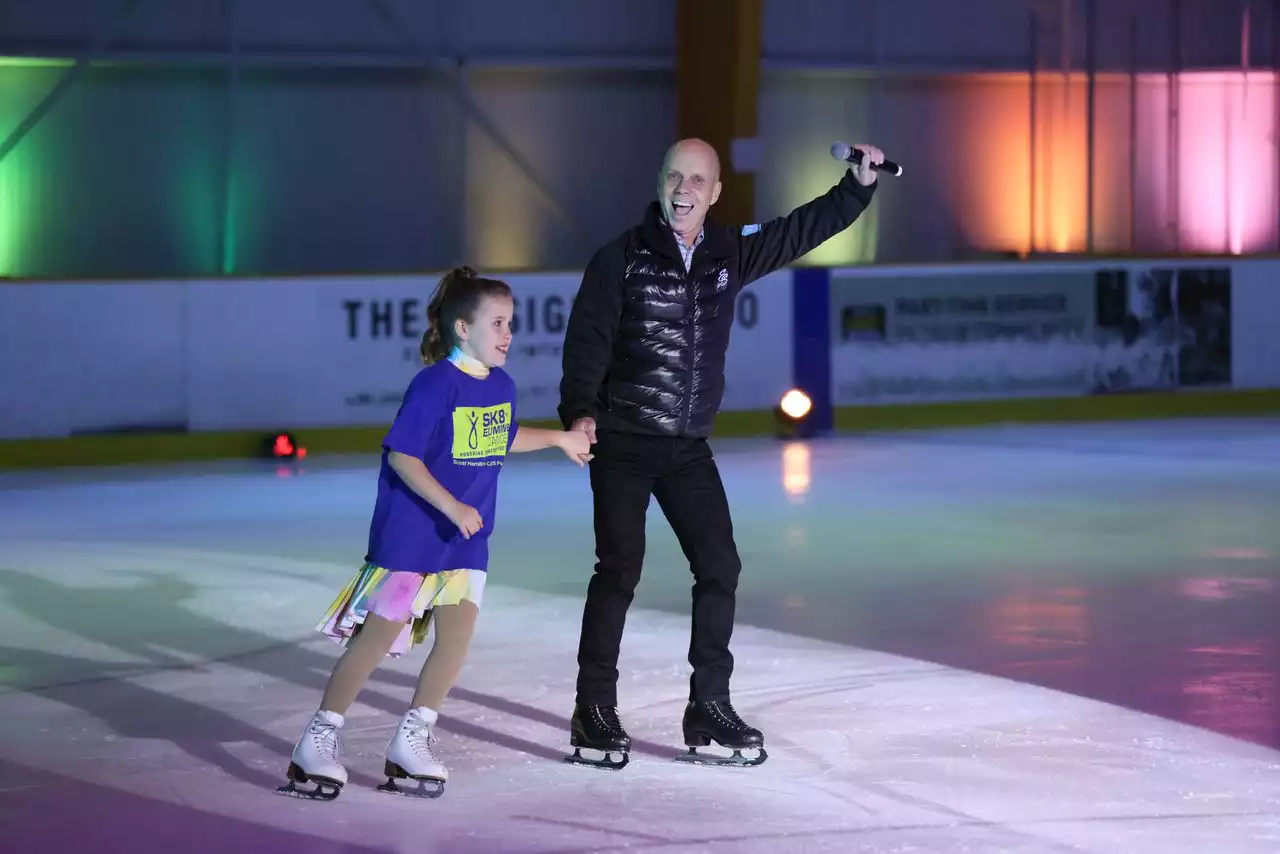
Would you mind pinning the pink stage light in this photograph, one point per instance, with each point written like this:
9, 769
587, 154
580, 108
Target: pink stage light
1226, 161
1211, 188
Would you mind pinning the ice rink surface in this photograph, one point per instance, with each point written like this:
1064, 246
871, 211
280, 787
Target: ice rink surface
1015, 639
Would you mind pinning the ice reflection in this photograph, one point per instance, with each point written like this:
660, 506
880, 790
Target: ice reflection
797, 470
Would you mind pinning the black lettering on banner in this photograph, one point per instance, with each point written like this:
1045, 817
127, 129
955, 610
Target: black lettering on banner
533, 315
353, 311
748, 313
386, 318
553, 314
409, 317
380, 318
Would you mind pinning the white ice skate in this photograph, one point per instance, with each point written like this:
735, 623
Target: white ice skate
317, 758
410, 755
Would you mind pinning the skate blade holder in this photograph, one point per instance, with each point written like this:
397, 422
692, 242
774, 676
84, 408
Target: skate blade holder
325, 789
415, 787
736, 760
608, 762
426, 787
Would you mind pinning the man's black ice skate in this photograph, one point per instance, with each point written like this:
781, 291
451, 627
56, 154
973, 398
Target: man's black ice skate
596, 727
706, 721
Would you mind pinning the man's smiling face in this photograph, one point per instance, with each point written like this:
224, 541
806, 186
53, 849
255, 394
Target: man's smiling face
688, 186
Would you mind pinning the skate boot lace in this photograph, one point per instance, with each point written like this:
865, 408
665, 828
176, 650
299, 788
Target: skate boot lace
421, 739
607, 717
327, 740
726, 713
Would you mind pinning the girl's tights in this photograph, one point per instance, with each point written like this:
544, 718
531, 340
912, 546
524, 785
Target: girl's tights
454, 625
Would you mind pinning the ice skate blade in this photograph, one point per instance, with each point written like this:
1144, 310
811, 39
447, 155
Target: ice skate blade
608, 762
325, 788
427, 787
737, 760
322, 792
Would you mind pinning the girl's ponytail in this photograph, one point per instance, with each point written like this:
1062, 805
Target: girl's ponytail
437, 342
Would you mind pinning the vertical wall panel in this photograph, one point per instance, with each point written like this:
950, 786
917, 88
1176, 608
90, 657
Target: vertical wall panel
344, 171
598, 138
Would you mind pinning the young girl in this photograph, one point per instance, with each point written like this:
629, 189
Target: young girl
429, 539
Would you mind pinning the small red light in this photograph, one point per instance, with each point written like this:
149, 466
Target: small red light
283, 446
302, 453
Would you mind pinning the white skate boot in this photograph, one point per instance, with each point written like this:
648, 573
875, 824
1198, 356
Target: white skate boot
410, 755
317, 758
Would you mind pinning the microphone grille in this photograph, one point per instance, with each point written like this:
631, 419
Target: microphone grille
841, 150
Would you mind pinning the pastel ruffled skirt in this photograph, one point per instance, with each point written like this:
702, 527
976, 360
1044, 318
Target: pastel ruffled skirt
402, 597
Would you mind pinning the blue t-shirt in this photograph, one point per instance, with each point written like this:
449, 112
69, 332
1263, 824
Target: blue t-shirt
461, 426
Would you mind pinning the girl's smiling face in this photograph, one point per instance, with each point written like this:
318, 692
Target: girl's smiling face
488, 337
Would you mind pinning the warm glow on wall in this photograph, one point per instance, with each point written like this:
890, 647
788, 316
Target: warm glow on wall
812, 176
503, 228
1226, 162
800, 114
507, 218
1002, 205
1212, 188
1059, 218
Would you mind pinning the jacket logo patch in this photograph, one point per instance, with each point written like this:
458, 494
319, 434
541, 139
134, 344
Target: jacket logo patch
748, 230
722, 280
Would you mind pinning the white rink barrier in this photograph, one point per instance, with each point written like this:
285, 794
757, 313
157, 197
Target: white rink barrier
268, 354
250, 354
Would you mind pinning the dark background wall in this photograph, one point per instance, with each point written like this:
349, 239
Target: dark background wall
199, 137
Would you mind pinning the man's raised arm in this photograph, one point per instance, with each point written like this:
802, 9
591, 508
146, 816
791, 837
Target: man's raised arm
775, 244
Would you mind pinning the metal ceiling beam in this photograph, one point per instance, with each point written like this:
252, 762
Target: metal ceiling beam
271, 57
69, 77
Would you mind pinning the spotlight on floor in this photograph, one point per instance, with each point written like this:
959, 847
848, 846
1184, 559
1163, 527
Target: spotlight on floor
792, 414
284, 446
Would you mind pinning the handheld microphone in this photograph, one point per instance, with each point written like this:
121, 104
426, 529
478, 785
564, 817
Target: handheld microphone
849, 154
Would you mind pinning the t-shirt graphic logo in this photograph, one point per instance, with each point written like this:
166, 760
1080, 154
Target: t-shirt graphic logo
722, 280
473, 438
481, 431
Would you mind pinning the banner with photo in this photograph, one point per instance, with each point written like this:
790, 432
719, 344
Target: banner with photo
1164, 328
1023, 331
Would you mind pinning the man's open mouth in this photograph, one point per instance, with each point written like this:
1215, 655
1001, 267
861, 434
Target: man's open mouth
681, 208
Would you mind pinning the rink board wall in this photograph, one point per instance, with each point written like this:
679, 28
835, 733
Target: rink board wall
268, 354
1001, 338
230, 355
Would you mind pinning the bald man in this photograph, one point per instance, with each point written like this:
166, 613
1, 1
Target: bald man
644, 357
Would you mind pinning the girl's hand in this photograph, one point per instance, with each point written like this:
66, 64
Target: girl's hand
466, 518
576, 445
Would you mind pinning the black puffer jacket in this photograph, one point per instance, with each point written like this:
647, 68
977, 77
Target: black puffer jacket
645, 346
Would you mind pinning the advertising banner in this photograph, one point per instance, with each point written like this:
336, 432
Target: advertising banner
1023, 331
340, 352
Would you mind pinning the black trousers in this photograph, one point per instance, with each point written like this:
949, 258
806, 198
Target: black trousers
682, 475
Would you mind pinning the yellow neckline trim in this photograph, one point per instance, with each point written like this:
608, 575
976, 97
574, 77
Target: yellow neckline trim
467, 364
